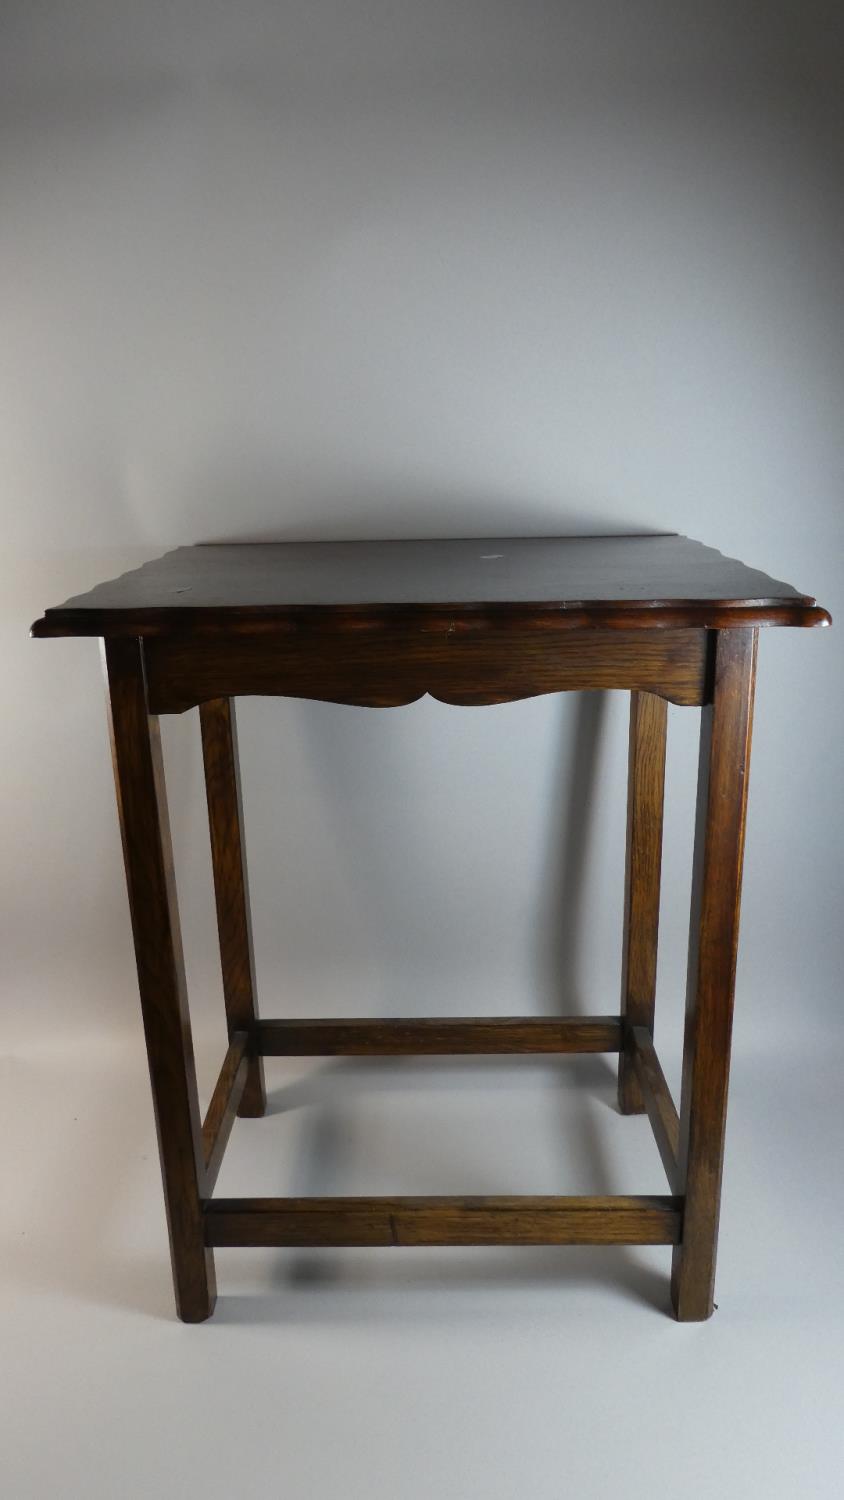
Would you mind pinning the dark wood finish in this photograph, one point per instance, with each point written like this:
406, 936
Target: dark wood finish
472, 621
716, 890
228, 1092
231, 887
476, 660
645, 793
443, 1221
657, 1101
436, 1036
608, 582
147, 852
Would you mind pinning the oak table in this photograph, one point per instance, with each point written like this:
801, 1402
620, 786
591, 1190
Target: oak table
470, 622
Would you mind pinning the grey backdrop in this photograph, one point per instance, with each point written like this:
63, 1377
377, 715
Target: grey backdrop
402, 270
357, 268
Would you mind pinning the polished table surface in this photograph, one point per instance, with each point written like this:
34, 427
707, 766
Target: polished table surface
631, 580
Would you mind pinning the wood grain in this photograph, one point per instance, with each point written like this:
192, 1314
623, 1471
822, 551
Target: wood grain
231, 886
443, 1036
608, 582
657, 1101
223, 1108
443, 1221
480, 661
147, 853
643, 864
716, 890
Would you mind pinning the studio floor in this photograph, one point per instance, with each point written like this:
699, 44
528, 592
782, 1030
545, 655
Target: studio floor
415, 1373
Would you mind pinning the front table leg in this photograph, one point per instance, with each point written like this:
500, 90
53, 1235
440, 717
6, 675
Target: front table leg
147, 854
713, 939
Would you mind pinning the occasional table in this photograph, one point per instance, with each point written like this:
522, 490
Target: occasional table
470, 622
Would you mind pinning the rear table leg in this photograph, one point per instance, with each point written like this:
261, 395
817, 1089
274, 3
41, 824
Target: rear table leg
231, 889
645, 788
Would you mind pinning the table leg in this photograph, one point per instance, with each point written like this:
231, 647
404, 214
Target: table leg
145, 831
645, 789
225, 818
713, 940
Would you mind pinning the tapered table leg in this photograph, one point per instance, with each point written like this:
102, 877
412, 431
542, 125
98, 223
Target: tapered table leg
713, 940
147, 854
231, 889
645, 791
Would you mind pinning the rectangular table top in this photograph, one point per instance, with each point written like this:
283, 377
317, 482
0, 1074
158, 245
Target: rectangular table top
647, 580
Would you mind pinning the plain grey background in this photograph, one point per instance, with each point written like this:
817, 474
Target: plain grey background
392, 269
